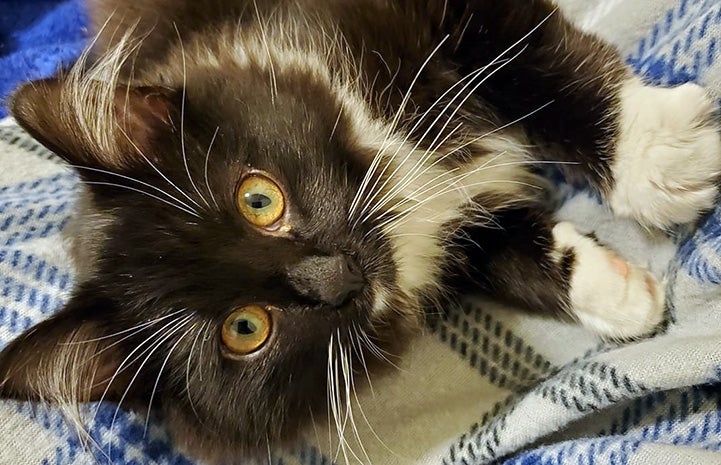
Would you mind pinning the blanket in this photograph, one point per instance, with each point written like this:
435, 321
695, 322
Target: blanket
484, 384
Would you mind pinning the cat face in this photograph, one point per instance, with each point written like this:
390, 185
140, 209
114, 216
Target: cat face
227, 277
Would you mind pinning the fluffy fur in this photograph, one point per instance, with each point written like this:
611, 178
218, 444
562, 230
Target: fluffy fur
405, 137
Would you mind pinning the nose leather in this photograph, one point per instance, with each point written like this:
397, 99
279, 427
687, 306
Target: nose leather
332, 280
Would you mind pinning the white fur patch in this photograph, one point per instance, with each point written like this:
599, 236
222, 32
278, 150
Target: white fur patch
609, 296
422, 198
668, 156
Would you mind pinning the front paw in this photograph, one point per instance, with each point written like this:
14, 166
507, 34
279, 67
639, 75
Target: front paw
608, 295
668, 155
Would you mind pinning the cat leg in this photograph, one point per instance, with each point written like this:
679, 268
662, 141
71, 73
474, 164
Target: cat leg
655, 153
550, 267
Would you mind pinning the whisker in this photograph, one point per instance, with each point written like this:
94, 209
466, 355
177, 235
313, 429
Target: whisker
428, 153
182, 117
371, 171
422, 190
207, 156
270, 457
375, 189
108, 347
157, 381
122, 186
128, 178
377, 351
392, 127
264, 37
423, 202
139, 327
347, 368
128, 357
500, 128
361, 356
152, 350
357, 398
335, 125
155, 168
471, 78
187, 372
202, 345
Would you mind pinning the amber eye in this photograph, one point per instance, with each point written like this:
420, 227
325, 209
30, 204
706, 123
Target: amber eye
246, 329
260, 200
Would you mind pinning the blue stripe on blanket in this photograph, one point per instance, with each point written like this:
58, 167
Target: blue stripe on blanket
679, 48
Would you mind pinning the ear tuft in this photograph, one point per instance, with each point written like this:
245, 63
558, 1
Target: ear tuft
94, 123
66, 359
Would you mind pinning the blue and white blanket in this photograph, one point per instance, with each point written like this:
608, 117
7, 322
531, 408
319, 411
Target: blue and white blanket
486, 384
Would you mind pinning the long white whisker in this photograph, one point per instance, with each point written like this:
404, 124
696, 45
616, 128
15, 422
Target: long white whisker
500, 128
357, 398
494, 61
128, 178
182, 117
202, 345
460, 188
110, 184
187, 372
157, 381
329, 382
361, 356
423, 190
347, 363
150, 352
136, 328
471, 78
419, 121
420, 191
207, 156
160, 173
429, 152
392, 128
377, 351
127, 358
264, 37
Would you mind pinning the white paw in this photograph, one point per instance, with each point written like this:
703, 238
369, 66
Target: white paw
668, 154
608, 295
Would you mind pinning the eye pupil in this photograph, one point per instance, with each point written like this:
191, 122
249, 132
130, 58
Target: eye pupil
257, 201
245, 327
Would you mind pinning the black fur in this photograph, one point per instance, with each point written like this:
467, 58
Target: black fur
151, 259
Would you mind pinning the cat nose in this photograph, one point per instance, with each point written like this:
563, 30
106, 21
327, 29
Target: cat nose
331, 280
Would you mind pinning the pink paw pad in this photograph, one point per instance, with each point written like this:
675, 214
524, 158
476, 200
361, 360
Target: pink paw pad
620, 265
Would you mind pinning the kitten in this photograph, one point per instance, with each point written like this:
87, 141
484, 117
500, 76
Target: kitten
271, 184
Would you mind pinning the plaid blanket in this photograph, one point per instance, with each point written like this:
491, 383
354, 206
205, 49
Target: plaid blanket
485, 384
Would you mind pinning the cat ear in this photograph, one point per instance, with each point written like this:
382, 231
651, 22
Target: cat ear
68, 358
96, 124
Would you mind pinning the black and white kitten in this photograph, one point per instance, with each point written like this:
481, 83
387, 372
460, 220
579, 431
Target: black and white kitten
270, 182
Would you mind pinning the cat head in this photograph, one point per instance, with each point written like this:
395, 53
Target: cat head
227, 274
